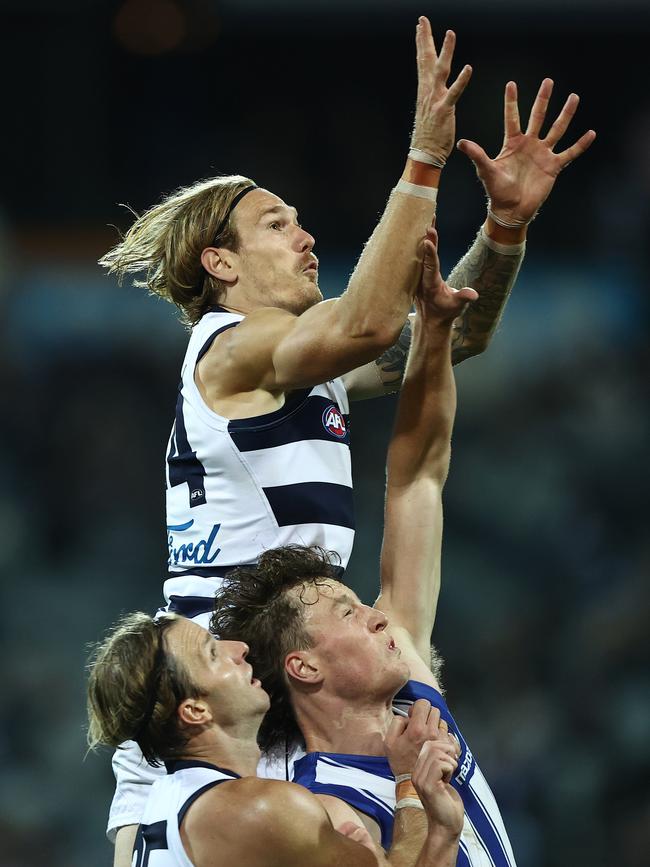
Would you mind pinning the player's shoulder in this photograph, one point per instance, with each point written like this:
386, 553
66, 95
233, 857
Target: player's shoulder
261, 822
253, 802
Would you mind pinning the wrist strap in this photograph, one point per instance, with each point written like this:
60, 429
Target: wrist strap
504, 249
509, 224
423, 157
406, 789
409, 802
421, 192
401, 777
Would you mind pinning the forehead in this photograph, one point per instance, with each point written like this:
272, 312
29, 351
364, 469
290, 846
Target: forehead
324, 597
256, 204
186, 638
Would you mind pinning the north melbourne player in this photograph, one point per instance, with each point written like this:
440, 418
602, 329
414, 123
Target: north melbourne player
193, 701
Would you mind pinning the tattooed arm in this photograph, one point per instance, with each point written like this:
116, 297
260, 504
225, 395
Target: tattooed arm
486, 268
491, 268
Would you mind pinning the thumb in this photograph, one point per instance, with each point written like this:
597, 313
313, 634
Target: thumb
475, 152
467, 294
357, 833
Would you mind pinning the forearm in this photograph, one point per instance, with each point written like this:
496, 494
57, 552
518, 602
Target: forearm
382, 287
426, 409
439, 850
490, 266
410, 833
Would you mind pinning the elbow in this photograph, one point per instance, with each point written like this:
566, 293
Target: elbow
385, 332
376, 333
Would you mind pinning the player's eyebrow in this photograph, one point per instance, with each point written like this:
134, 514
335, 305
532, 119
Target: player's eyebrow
344, 599
277, 209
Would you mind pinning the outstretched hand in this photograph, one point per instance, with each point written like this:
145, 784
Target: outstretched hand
435, 112
519, 179
434, 298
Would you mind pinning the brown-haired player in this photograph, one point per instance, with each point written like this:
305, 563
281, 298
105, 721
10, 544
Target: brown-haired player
193, 701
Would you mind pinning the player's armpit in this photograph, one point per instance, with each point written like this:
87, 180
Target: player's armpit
266, 823
384, 375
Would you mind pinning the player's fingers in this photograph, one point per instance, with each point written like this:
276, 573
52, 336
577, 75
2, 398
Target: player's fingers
422, 770
447, 747
452, 739
447, 769
432, 723
357, 833
540, 107
443, 66
511, 121
396, 728
476, 154
577, 149
456, 90
425, 50
422, 707
563, 120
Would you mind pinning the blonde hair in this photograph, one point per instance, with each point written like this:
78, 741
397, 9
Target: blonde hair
166, 243
135, 688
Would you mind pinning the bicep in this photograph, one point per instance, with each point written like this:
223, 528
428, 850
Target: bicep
322, 345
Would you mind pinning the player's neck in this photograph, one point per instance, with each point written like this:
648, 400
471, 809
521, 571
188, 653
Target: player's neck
342, 727
225, 750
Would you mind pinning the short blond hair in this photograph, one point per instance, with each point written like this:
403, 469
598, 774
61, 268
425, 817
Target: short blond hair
166, 243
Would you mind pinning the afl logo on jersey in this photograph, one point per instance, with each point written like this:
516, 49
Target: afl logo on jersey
333, 421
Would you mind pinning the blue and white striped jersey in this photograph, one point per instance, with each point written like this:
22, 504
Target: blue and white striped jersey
237, 488
158, 841
368, 785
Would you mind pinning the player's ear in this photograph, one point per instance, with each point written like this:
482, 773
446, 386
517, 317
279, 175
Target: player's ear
194, 711
221, 263
302, 667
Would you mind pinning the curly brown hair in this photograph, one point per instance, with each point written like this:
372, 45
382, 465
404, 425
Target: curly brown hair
135, 687
254, 605
166, 243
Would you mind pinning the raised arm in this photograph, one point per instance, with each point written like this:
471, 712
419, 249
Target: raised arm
276, 350
517, 182
418, 460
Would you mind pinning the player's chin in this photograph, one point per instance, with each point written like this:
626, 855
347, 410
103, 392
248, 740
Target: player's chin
309, 296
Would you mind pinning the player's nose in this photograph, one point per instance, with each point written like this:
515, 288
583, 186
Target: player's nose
306, 241
238, 650
377, 620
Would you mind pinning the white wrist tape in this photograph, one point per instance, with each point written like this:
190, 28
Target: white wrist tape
423, 157
504, 249
509, 224
409, 802
401, 778
421, 192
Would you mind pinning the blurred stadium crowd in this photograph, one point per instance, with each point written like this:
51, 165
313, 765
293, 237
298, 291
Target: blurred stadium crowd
545, 613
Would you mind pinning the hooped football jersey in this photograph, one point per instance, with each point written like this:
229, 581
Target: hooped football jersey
367, 784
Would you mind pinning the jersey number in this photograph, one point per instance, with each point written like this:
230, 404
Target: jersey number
148, 838
184, 466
